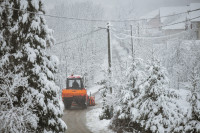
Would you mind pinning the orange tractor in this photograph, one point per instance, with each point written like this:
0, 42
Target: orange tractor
76, 94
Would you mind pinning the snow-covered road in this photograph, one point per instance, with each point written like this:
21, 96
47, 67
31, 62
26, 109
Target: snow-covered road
75, 119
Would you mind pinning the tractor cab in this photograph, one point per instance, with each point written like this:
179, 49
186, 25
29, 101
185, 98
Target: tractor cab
74, 82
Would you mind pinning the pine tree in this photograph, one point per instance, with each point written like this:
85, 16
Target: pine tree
25, 38
6, 51
129, 89
14, 118
147, 105
156, 107
193, 124
107, 108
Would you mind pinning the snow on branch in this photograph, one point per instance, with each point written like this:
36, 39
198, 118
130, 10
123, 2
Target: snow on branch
14, 118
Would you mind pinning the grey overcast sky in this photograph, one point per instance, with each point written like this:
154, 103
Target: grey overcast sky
141, 6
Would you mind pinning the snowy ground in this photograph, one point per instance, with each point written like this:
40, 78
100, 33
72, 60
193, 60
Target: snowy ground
92, 117
96, 125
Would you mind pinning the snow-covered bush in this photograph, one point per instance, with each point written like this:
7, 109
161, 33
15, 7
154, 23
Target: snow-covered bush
148, 104
24, 38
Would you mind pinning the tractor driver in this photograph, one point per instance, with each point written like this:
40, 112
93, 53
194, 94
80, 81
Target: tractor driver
75, 84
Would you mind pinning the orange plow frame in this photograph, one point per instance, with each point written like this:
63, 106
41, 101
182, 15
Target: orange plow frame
91, 101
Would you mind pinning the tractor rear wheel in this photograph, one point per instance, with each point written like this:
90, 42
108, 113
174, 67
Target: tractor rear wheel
68, 103
84, 106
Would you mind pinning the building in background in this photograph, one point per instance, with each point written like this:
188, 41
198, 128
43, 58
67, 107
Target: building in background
188, 15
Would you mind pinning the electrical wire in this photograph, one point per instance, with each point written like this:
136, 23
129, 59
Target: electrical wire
79, 36
148, 37
83, 19
174, 14
99, 20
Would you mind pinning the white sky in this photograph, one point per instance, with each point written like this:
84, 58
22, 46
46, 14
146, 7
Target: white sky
141, 6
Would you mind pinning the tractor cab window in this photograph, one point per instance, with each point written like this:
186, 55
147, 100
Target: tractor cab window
74, 84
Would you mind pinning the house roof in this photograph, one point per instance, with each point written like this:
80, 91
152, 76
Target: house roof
165, 11
150, 15
173, 25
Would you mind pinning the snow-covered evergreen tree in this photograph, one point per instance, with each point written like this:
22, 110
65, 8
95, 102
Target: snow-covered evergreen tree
107, 108
14, 118
24, 40
129, 89
148, 105
193, 124
156, 105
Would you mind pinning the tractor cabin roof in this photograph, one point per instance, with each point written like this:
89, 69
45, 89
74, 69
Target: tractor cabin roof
74, 76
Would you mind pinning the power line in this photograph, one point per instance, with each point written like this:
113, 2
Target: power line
148, 37
83, 19
79, 36
100, 20
174, 14
173, 23
128, 36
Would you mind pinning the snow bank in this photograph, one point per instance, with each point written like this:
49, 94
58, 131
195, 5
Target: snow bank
96, 125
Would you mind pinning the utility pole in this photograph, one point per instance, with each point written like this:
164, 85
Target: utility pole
133, 53
109, 54
138, 33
